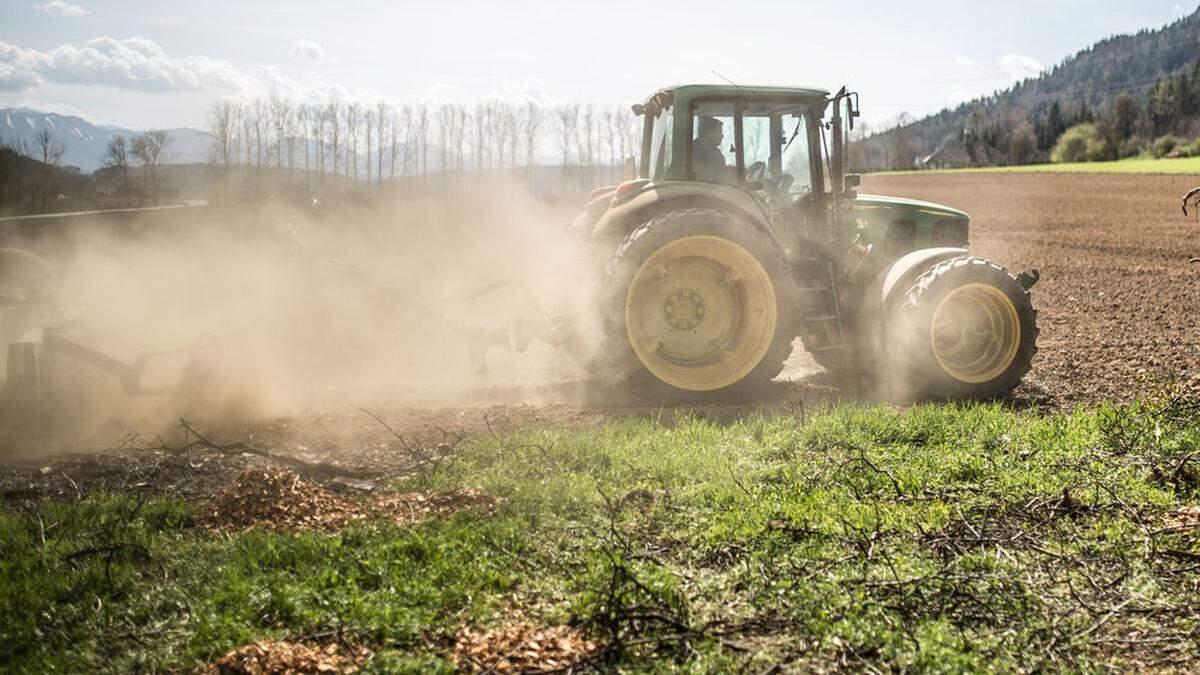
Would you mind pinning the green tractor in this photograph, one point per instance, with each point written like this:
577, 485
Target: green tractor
743, 231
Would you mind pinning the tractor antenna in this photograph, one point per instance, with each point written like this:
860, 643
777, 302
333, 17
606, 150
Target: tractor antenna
714, 72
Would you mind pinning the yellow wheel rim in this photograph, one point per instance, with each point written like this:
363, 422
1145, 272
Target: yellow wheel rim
975, 333
700, 313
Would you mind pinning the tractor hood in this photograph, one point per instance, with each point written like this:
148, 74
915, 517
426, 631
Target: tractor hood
901, 207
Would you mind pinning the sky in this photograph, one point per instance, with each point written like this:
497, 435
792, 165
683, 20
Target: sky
162, 63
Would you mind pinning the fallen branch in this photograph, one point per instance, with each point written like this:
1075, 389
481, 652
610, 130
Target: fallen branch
313, 469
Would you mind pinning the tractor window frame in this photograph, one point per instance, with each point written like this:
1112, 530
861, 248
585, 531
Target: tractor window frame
658, 133
647, 140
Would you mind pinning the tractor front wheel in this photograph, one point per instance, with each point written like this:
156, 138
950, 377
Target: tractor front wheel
966, 329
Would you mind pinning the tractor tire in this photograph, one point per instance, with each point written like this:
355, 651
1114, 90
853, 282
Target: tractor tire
700, 306
965, 330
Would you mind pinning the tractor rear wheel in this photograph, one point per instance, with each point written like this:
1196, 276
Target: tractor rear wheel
700, 306
966, 329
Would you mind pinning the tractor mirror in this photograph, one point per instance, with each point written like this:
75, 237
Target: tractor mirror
850, 181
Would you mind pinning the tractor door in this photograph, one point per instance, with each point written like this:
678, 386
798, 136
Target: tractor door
779, 169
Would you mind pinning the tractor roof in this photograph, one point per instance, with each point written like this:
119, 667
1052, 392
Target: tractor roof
685, 93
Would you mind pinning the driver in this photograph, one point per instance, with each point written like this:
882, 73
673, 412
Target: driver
708, 164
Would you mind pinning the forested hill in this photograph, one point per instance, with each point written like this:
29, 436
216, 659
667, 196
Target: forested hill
1079, 89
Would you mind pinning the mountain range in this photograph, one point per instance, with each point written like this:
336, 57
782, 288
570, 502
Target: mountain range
85, 142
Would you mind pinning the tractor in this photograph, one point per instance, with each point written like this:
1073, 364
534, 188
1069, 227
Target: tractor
743, 230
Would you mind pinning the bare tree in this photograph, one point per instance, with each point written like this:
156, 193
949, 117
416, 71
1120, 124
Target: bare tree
421, 136
394, 128
350, 116
281, 113
333, 117
512, 125
259, 125
222, 128
568, 122
148, 148
369, 132
316, 128
116, 157
247, 123
533, 124
383, 117
49, 151
409, 122
302, 124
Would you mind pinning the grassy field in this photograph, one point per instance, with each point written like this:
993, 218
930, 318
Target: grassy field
1180, 166
937, 538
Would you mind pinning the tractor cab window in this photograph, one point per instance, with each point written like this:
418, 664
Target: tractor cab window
794, 155
714, 150
660, 146
776, 149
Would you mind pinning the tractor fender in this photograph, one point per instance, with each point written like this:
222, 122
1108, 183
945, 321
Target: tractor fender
656, 199
595, 209
890, 287
894, 281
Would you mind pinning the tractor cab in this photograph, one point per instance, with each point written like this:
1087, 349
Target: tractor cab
763, 141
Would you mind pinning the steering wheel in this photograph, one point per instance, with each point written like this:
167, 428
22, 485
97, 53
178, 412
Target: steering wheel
754, 172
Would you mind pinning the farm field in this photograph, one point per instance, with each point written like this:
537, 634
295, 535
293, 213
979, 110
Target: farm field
533, 528
1174, 166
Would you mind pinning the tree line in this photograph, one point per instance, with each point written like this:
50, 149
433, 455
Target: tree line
342, 146
1124, 96
31, 179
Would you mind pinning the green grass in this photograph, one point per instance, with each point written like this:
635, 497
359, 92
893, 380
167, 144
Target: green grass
939, 538
1182, 165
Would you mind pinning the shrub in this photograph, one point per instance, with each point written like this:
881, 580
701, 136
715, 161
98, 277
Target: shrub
1132, 147
1190, 150
1100, 150
1165, 144
1022, 143
1072, 146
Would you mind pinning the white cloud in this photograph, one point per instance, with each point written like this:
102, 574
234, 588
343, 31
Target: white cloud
963, 62
135, 63
1019, 66
61, 8
139, 64
307, 49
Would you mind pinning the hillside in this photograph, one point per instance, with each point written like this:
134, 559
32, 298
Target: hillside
85, 142
1072, 91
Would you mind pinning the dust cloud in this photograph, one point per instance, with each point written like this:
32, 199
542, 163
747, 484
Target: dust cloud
279, 309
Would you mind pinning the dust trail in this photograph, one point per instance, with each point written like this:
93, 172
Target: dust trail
336, 305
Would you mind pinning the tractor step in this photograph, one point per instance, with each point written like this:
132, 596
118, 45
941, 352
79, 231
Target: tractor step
821, 316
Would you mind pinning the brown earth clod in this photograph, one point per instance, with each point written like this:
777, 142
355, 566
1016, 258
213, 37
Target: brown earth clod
281, 500
519, 647
278, 657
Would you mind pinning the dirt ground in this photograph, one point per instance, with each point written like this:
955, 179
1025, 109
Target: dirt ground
1117, 310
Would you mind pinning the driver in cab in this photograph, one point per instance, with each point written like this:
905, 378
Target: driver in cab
708, 164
